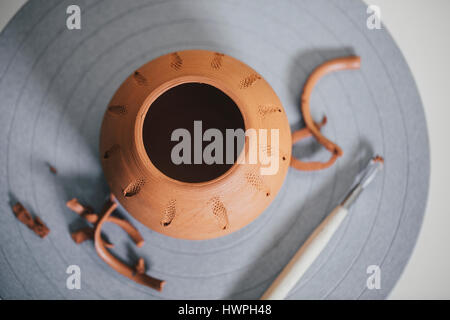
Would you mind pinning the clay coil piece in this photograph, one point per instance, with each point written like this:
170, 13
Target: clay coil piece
352, 62
136, 273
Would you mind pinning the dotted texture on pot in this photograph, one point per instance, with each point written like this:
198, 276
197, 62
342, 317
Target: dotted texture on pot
55, 85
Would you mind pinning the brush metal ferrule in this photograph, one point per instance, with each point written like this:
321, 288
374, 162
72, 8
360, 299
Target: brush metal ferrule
374, 166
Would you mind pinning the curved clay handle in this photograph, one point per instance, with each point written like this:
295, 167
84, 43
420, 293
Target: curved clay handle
352, 62
115, 263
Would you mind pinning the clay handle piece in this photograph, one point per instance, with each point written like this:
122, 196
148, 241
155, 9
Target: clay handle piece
115, 263
88, 213
128, 228
344, 63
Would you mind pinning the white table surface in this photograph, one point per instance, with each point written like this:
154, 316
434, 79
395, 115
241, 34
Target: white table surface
421, 29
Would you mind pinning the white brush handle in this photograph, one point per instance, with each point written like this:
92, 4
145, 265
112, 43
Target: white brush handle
305, 256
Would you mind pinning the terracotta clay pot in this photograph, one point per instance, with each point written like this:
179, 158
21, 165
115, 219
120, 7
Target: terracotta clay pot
194, 201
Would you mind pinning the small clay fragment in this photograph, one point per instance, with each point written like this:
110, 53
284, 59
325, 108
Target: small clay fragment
87, 233
90, 217
36, 224
84, 211
140, 266
52, 169
378, 159
23, 215
82, 235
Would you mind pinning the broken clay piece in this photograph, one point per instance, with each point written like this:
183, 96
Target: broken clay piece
40, 228
84, 211
343, 63
52, 169
136, 273
134, 234
140, 266
378, 159
36, 224
113, 262
87, 233
88, 213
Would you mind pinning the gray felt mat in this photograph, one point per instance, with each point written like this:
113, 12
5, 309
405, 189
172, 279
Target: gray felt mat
55, 85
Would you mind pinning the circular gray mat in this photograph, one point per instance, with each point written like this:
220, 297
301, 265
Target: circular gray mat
55, 85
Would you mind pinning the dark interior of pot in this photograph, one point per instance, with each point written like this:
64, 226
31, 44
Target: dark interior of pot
188, 155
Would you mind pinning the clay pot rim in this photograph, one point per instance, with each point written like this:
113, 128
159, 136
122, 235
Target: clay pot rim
155, 94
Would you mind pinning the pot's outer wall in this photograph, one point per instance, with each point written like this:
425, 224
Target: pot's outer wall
193, 210
55, 85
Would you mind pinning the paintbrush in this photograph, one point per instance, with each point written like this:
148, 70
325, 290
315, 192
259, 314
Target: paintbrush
318, 240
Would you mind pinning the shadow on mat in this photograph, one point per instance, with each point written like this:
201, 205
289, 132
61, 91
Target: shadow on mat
248, 286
